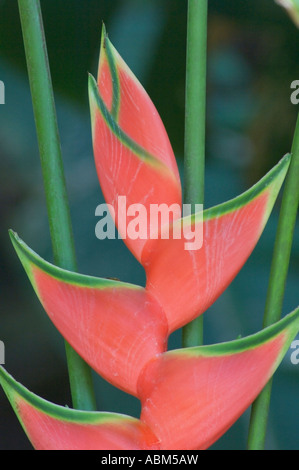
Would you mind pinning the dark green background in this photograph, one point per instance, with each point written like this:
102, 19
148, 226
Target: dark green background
252, 60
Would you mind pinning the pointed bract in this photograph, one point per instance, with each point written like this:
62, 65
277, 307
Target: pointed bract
190, 397
131, 107
52, 427
116, 327
133, 155
187, 281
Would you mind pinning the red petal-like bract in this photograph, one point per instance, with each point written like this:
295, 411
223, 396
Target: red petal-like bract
187, 281
190, 397
133, 155
116, 327
131, 107
52, 427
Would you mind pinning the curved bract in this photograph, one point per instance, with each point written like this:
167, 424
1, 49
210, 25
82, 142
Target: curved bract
116, 327
133, 155
53, 427
187, 281
190, 397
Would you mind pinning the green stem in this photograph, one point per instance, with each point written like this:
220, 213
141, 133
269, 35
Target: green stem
275, 294
53, 176
195, 126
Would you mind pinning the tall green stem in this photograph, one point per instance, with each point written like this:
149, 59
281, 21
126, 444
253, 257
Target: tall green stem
53, 176
275, 294
195, 126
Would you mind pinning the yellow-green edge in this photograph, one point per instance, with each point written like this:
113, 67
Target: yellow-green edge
30, 258
15, 390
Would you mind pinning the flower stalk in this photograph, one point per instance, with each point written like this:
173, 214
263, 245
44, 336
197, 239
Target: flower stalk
195, 126
53, 176
277, 282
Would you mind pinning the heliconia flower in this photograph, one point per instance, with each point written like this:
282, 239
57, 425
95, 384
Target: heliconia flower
292, 7
52, 427
116, 327
190, 397
132, 151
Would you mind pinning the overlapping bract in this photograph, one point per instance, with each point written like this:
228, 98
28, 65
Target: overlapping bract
190, 396
132, 151
116, 327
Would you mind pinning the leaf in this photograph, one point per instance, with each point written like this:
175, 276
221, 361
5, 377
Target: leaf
52, 427
116, 327
292, 7
190, 397
133, 155
185, 281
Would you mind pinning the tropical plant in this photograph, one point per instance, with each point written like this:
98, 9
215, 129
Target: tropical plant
189, 396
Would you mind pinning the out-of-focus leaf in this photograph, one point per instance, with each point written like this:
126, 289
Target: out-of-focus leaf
292, 7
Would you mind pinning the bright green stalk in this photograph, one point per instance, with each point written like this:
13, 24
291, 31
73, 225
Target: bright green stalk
195, 123
275, 294
53, 176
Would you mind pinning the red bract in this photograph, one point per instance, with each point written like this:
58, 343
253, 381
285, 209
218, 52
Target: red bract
189, 397
52, 427
133, 154
187, 282
116, 327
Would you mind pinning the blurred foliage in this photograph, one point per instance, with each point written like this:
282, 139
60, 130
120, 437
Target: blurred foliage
292, 7
252, 60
